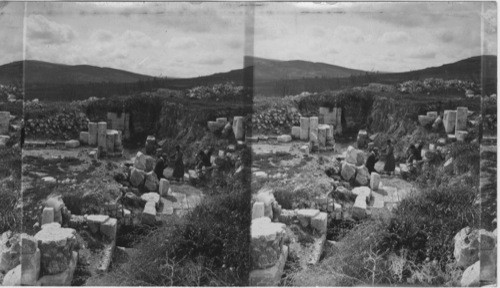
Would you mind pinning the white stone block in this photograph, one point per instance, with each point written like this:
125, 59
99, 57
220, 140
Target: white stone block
359, 207
449, 119
284, 138
72, 144
13, 277
238, 127
266, 196
110, 140
348, 171
101, 135
362, 191
304, 128
362, 176
30, 264
266, 242
164, 186
47, 215
313, 128
296, 132
108, 228
471, 276
319, 222
374, 181
322, 134
433, 114
258, 210
354, 156
149, 213
425, 120
60, 279
305, 216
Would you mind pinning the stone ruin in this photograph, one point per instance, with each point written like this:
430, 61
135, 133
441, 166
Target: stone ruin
476, 252
319, 131
49, 258
454, 122
223, 126
120, 122
107, 141
269, 247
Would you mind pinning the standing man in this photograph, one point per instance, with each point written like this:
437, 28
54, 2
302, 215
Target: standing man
178, 164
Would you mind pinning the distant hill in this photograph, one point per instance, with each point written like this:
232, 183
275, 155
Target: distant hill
268, 77
39, 72
269, 70
467, 69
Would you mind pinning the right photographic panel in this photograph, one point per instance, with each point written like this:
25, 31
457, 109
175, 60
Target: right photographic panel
374, 144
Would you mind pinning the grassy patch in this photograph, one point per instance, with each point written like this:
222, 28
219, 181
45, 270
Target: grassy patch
10, 189
206, 248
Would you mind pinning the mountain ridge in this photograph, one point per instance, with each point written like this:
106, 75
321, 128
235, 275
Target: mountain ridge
264, 70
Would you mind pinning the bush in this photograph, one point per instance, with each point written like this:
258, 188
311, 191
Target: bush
10, 189
425, 224
209, 247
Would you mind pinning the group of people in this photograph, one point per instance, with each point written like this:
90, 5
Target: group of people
202, 160
178, 160
413, 158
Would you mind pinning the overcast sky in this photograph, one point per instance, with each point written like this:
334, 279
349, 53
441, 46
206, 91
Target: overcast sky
169, 39
188, 40
374, 36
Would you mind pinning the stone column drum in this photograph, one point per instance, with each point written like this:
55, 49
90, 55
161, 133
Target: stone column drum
238, 128
304, 128
92, 126
461, 121
101, 135
313, 129
322, 135
338, 122
110, 140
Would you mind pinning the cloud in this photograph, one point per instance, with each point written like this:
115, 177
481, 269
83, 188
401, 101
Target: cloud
394, 37
318, 32
422, 53
102, 36
348, 34
234, 44
183, 43
213, 61
332, 51
445, 35
138, 39
41, 29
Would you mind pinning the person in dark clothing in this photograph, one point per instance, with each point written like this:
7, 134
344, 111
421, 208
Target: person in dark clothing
411, 153
203, 160
178, 164
418, 151
390, 161
160, 166
371, 160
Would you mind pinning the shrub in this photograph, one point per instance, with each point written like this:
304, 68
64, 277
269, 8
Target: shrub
425, 223
10, 189
209, 247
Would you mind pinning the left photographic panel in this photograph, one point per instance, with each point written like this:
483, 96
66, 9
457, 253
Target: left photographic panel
132, 174
11, 117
